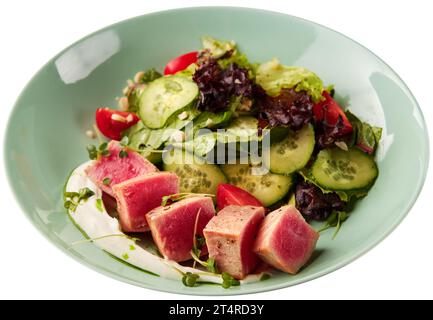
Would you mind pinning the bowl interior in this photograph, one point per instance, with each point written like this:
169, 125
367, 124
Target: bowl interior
46, 134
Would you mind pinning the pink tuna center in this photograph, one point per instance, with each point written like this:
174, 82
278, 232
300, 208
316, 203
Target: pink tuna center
291, 239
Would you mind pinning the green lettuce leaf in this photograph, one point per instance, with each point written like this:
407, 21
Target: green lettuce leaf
150, 75
242, 61
365, 136
210, 120
134, 92
142, 137
188, 72
217, 48
335, 220
133, 99
202, 140
272, 76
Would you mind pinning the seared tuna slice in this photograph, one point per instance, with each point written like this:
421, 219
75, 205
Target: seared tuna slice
285, 240
230, 238
137, 196
110, 170
172, 226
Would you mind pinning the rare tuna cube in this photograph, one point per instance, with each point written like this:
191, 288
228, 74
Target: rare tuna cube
285, 240
230, 238
110, 170
137, 196
174, 226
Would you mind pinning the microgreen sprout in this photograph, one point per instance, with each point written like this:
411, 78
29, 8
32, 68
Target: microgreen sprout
124, 144
180, 196
197, 244
265, 276
229, 281
209, 264
106, 181
200, 241
117, 235
73, 199
103, 146
99, 205
123, 153
95, 152
190, 279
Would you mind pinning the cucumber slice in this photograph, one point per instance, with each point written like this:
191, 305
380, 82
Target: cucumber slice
164, 97
293, 152
195, 175
336, 169
268, 188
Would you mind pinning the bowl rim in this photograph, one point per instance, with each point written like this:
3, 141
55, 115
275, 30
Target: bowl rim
345, 261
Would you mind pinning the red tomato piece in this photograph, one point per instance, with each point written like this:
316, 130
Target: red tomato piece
228, 194
181, 63
330, 111
112, 123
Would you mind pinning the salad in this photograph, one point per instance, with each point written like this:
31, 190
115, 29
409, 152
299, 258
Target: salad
213, 171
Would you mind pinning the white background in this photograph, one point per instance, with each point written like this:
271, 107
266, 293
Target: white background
398, 31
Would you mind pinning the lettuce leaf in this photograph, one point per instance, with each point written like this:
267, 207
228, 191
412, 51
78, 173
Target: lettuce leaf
365, 136
272, 76
134, 92
242, 61
209, 119
150, 75
188, 72
142, 137
134, 99
219, 48
335, 220
202, 140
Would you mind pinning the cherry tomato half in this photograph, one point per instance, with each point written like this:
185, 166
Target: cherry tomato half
330, 111
180, 63
228, 194
112, 123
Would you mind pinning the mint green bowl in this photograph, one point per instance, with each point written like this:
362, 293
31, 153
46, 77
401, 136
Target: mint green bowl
46, 134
